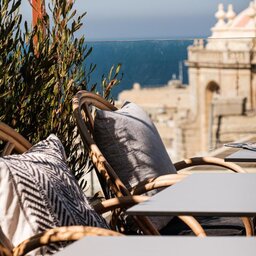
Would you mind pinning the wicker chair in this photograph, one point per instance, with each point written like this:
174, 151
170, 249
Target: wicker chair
13, 142
84, 105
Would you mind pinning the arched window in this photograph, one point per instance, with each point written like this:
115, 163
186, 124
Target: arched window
211, 89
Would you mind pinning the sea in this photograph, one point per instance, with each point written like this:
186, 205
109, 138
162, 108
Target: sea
151, 63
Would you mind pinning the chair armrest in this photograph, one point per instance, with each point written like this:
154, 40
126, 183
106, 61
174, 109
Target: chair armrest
60, 234
208, 161
159, 182
118, 202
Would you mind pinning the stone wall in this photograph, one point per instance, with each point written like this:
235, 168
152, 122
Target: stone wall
232, 128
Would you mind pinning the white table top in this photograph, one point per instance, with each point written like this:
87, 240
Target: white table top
154, 246
243, 155
204, 194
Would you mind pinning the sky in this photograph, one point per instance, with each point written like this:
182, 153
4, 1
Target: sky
147, 19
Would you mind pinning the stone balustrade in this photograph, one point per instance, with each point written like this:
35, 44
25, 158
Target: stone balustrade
240, 59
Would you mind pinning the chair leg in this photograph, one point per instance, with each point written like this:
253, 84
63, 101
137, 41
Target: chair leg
248, 226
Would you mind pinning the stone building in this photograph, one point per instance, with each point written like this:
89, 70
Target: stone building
219, 103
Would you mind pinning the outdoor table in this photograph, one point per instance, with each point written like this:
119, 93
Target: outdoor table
242, 155
204, 194
154, 246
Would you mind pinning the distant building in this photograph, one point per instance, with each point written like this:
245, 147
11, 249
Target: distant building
219, 103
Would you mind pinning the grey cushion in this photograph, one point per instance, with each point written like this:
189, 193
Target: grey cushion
131, 144
40, 193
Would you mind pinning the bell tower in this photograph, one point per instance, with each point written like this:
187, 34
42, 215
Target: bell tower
222, 70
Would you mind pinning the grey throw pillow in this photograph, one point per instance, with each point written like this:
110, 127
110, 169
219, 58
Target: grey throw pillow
39, 192
131, 144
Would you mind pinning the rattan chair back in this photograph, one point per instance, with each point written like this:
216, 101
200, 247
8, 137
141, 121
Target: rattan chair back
84, 105
12, 141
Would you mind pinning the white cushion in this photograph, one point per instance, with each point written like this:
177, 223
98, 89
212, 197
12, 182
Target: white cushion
39, 192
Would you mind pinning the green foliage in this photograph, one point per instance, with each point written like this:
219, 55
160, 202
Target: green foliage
9, 50
40, 72
113, 79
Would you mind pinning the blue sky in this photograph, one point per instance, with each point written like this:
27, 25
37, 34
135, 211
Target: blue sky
147, 19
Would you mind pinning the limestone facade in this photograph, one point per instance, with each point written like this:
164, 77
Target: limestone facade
219, 103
